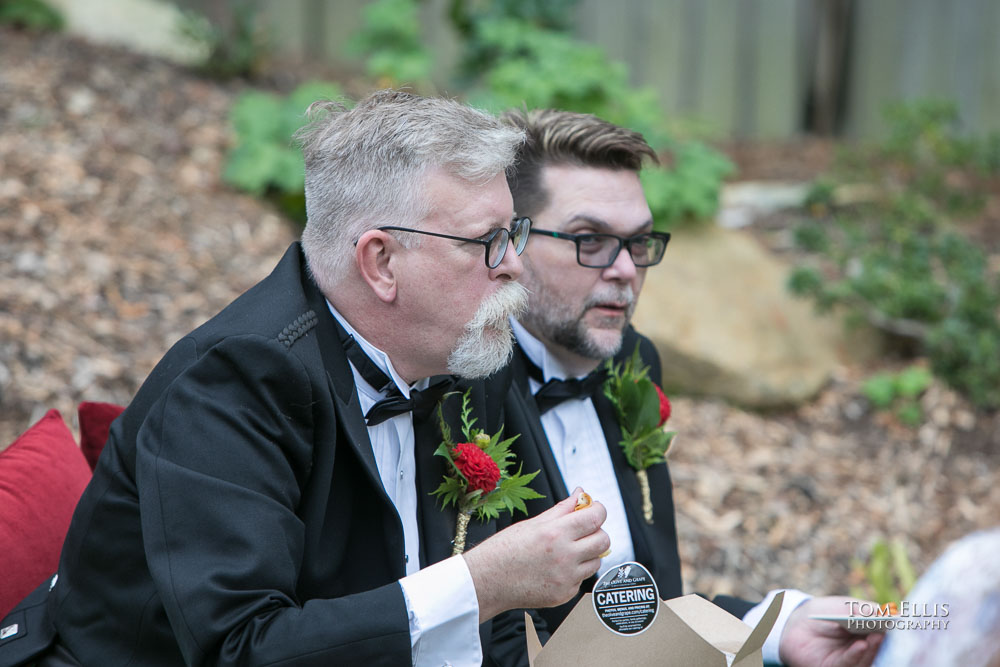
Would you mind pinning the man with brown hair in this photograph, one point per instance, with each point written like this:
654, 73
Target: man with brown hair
592, 239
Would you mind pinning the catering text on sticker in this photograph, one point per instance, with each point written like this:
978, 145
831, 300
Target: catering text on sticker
626, 599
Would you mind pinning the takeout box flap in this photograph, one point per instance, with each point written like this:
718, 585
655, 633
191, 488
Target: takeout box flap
756, 640
583, 641
534, 644
688, 630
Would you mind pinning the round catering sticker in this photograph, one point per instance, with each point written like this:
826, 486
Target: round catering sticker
626, 599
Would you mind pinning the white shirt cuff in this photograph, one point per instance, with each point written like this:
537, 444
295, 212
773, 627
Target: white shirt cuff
444, 615
793, 598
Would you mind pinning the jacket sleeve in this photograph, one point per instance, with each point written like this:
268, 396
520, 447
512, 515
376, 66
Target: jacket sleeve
221, 460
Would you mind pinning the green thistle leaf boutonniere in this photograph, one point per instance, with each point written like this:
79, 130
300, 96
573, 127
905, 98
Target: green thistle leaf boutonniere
642, 410
478, 480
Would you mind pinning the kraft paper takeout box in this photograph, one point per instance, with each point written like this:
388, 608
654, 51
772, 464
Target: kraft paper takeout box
688, 631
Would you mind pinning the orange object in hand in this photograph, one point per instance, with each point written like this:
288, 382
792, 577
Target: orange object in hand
583, 502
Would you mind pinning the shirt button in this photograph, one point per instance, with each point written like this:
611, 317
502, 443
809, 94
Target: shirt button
407, 557
401, 474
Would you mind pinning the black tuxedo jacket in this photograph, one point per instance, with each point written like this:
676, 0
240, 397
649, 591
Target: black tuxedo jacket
237, 516
655, 544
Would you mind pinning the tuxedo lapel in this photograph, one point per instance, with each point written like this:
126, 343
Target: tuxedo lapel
628, 484
341, 378
526, 417
655, 545
437, 523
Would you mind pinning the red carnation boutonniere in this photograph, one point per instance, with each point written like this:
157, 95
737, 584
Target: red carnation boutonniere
478, 480
642, 409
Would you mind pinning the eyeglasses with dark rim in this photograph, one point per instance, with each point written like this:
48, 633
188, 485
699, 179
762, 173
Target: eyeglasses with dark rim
496, 242
599, 251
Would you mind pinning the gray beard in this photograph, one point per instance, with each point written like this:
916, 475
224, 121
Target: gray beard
487, 342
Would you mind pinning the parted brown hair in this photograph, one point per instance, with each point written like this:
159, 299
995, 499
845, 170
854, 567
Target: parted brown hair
556, 137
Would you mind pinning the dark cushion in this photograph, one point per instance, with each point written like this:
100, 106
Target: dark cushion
95, 421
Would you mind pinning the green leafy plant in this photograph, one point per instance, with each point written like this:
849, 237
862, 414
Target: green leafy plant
900, 260
390, 41
30, 15
899, 392
539, 67
238, 51
513, 53
886, 576
517, 53
264, 159
467, 16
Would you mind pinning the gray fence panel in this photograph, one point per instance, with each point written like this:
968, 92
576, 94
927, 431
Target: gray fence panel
743, 68
907, 49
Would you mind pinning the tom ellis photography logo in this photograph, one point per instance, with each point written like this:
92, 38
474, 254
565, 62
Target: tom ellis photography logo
905, 615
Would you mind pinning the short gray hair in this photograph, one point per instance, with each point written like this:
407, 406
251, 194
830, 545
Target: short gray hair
366, 166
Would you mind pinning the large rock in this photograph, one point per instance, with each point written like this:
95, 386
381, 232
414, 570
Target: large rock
147, 26
725, 325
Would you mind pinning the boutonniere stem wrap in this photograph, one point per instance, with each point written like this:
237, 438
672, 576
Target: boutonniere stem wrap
478, 480
642, 410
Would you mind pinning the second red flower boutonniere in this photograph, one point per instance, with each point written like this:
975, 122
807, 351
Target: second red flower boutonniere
478, 480
642, 410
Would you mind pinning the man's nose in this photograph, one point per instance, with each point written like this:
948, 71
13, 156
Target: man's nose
622, 269
510, 267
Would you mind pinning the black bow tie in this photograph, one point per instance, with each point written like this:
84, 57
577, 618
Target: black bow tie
555, 391
421, 401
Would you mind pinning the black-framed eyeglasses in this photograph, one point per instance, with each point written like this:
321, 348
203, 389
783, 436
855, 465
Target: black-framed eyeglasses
599, 251
496, 242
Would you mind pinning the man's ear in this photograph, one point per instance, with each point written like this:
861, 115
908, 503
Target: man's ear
373, 252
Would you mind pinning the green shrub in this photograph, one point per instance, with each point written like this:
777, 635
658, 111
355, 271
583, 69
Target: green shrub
390, 41
517, 53
467, 16
513, 53
886, 576
901, 261
899, 392
30, 15
239, 51
539, 67
264, 159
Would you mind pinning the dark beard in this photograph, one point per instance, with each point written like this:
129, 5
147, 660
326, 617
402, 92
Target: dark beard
573, 336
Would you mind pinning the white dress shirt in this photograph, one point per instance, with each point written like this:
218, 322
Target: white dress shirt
580, 449
440, 599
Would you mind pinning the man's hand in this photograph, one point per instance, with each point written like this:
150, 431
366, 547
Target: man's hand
539, 562
807, 642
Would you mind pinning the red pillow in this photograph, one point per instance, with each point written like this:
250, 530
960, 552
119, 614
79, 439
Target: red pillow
42, 475
95, 421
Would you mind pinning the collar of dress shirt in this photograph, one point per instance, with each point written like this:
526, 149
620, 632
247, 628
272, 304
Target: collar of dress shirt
380, 359
539, 354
